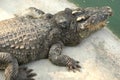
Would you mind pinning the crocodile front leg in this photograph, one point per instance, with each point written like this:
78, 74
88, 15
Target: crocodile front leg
12, 69
59, 59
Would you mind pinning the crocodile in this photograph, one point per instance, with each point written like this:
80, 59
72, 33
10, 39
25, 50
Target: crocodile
24, 39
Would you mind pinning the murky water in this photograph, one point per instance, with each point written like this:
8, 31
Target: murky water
114, 24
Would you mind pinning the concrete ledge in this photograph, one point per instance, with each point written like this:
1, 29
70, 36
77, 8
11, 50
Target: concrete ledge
99, 54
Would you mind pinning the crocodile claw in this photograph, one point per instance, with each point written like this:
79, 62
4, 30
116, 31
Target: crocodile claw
25, 74
73, 65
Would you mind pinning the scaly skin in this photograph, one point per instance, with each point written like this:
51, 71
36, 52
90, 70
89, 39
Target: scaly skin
24, 39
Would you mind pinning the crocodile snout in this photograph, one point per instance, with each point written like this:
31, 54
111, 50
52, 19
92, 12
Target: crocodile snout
107, 10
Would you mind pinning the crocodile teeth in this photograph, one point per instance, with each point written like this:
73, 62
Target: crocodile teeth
82, 26
80, 18
74, 12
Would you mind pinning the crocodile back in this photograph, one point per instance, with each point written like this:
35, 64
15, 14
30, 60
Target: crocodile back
24, 36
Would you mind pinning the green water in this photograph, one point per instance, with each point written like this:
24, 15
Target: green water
114, 24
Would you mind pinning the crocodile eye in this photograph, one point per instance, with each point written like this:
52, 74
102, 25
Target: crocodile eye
64, 24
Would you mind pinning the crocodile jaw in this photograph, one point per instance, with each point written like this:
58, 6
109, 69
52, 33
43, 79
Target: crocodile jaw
93, 20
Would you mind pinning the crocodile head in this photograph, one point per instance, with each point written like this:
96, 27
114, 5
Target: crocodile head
79, 23
91, 19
